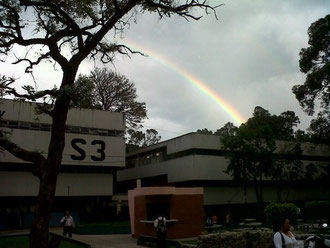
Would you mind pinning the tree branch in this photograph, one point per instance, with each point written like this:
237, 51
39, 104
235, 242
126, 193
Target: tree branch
107, 51
34, 157
90, 44
15, 15
29, 68
31, 95
182, 10
56, 10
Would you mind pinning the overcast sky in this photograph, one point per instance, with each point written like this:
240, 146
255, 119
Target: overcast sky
249, 57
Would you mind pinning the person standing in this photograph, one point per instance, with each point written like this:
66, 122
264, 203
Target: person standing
160, 225
214, 219
284, 238
227, 219
68, 224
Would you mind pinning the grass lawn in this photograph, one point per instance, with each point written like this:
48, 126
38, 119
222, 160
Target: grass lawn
23, 242
190, 242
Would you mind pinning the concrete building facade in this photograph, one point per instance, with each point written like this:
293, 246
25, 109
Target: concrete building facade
197, 160
94, 148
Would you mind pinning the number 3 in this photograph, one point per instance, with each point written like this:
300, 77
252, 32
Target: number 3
100, 150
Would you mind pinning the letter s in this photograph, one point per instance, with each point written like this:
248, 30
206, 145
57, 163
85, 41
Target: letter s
78, 149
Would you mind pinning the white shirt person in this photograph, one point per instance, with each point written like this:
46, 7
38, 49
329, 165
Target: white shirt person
68, 224
289, 241
284, 235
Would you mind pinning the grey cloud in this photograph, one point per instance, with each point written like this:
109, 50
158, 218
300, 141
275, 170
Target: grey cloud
249, 57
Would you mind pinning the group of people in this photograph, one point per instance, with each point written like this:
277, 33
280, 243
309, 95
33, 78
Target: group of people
283, 237
214, 220
160, 226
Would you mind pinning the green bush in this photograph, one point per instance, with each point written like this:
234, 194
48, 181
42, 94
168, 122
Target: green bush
275, 212
317, 210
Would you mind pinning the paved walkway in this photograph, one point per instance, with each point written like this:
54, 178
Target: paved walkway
96, 241
104, 241
108, 241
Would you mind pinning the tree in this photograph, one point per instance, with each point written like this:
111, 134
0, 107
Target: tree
66, 32
315, 62
151, 137
319, 132
287, 166
227, 130
301, 136
4, 82
251, 148
319, 128
140, 139
204, 131
107, 90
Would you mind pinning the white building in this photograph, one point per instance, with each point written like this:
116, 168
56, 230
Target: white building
197, 160
94, 148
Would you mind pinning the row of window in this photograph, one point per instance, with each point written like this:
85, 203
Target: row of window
69, 129
152, 158
157, 156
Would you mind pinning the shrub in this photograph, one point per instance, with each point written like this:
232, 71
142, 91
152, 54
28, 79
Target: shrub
275, 212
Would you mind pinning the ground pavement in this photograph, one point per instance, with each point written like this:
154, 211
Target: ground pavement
108, 241
96, 241
104, 241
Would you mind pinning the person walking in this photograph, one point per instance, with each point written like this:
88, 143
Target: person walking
68, 224
160, 225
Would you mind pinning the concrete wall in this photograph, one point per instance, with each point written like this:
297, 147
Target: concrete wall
96, 143
213, 142
185, 142
114, 147
187, 168
99, 149
207, 168
92, 118
25, 184
193, 167
190, 141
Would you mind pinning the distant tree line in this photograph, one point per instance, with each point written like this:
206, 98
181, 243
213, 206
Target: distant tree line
268, 147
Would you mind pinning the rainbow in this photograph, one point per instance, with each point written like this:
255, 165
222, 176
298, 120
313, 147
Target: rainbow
235, 115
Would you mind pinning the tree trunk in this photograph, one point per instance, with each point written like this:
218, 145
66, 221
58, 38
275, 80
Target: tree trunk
39, 229
259, 196
50, 169
279, 190
258, 199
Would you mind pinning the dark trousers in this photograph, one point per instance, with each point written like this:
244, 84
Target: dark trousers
161, 240
67, 230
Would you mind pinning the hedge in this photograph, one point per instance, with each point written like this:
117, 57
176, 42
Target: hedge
276, 211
